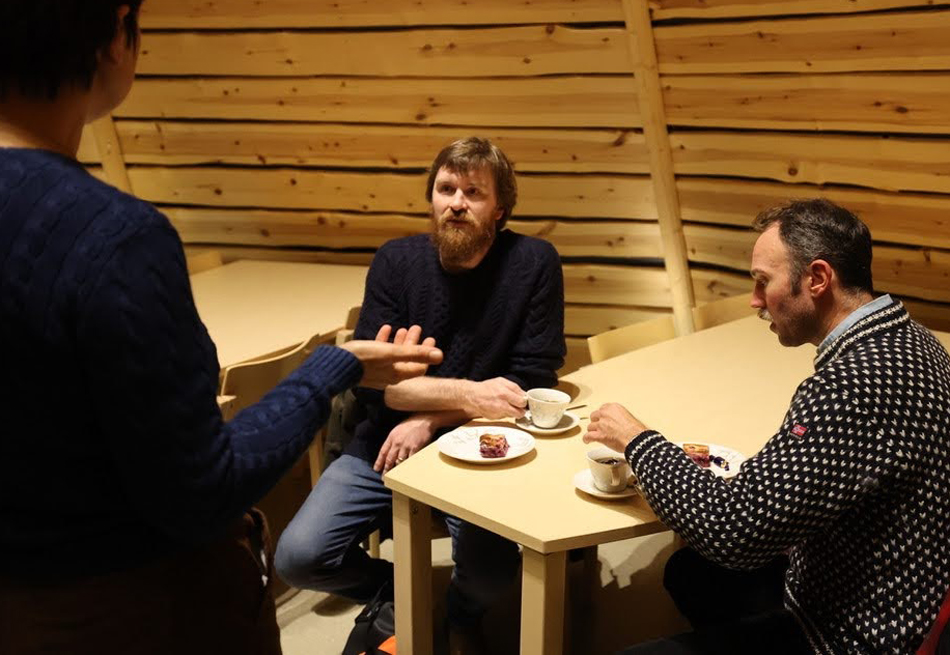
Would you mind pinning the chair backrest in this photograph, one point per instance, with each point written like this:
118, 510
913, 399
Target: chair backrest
646, 333
630, 337
722, 311
203, 260
248, 382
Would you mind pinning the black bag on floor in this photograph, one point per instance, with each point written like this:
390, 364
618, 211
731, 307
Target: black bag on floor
374, 632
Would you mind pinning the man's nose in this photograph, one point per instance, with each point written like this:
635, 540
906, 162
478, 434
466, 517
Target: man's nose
458, 201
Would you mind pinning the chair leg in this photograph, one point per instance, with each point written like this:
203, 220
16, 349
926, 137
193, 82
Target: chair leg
374, 545
315, 453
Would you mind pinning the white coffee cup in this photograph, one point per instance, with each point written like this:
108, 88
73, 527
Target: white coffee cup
609, 476
547, 406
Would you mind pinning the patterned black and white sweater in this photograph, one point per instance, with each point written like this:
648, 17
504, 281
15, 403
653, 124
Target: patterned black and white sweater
855, 485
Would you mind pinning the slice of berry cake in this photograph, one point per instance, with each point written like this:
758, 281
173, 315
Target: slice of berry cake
492, 445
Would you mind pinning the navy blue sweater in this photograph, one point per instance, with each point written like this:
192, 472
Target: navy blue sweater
113, 450
504, 318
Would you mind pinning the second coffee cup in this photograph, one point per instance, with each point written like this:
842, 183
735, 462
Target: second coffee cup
547, 406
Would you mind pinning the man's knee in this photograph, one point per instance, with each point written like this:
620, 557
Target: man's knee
301, 559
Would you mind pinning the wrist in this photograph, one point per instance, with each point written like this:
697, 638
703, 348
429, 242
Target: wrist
467, 391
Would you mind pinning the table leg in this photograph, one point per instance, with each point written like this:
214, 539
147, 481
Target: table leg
542, 603
412, 553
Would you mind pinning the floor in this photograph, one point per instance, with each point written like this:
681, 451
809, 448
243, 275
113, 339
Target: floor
627, 607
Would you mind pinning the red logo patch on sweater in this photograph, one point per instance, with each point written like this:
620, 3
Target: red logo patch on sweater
799, 430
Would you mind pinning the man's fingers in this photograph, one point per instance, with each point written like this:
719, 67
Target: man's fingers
400, 337
384, 332
429, 341
517, 398
383, 454
413, 335
419, 354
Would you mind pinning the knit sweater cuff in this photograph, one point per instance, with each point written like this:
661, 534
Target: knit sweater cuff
339, 369
640, 444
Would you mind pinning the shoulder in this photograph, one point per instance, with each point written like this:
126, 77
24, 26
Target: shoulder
403, 251
527, 250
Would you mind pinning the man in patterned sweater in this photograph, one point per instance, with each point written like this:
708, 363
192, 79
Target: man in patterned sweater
854, 487
494, 301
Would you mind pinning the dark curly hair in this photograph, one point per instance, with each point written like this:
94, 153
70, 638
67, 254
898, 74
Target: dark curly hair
48, 44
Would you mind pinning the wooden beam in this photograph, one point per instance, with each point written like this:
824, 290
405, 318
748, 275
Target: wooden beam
579, 196
643, 54
911, 41
704, 9
372, 146
479, 52
110, 153
907, 218
338, 230
865, 102
247, 14
885, 163
638, 286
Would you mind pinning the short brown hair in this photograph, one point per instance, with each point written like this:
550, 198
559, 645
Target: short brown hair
819, 229
474, 153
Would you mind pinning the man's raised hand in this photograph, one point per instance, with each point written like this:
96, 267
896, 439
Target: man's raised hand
388, 363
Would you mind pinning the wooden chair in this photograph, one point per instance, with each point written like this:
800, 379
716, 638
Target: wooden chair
243, 385
722, 311
645, 333
630, 337
202, 260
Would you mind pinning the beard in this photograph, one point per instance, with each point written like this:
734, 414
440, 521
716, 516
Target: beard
459, 239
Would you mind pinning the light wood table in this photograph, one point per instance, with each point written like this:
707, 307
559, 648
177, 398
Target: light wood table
254, 309
730, 384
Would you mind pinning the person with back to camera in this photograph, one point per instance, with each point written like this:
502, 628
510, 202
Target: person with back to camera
833, 538
126, 521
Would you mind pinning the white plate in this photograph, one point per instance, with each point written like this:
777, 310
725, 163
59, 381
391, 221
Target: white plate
585, 482
734, 457
462, 443
568, 421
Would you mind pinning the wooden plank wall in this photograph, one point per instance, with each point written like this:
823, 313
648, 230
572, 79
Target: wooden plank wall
301, 129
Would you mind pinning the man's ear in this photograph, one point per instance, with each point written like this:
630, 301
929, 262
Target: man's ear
820, 276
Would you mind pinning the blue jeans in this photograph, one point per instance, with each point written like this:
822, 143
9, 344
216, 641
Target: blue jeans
320, 549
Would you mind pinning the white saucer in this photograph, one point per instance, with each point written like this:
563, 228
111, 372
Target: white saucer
568, 421
584, 482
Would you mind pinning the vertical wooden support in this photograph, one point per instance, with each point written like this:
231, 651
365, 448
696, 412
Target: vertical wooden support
650, 95
412, 552
110, 152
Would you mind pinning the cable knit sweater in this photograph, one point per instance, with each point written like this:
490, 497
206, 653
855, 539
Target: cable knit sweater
503, 318
855, 483
113, 450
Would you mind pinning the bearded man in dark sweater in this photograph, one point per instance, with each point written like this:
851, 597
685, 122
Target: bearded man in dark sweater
494, 301
833, 538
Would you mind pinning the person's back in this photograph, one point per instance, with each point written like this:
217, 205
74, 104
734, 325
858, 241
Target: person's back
62, 232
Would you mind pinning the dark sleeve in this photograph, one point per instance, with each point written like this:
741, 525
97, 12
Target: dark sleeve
382, 302
786, 493
539, 350
154, 373
382, 305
